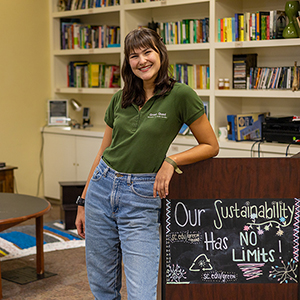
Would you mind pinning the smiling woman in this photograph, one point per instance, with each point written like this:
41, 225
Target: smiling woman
131, 173
145, 64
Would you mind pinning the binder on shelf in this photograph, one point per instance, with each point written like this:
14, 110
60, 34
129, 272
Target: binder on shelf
241, 64
231, 127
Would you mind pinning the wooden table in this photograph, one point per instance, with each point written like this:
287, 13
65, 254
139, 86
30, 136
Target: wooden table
16, 208
7, 179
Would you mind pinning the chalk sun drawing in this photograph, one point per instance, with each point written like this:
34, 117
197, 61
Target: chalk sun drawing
175, 273
286, 273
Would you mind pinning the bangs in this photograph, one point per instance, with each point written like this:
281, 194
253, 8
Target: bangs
138, 39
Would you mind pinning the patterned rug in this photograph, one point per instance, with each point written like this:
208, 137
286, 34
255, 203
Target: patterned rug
20, 241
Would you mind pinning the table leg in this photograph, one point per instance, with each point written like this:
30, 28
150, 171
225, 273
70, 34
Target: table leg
0, 283
39, 246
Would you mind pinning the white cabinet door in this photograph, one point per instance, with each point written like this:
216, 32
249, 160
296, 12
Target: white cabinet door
67, 158
59, 162
86, 151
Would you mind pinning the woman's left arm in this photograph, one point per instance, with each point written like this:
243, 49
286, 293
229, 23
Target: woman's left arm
207, 147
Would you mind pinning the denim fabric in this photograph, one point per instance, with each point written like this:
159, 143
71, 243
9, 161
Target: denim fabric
122, 222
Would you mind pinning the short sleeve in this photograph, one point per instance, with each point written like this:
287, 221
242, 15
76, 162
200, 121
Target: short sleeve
191, 106
110, 111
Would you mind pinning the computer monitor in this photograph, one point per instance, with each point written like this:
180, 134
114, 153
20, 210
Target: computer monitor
58, 113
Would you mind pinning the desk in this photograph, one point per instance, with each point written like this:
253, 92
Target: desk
15, 209
7, 179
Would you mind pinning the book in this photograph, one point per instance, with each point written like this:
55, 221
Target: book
247, 26
219, 30
241, 28
114, 81
261, 28
229, 29
253, 26
206, 108
237, 26
222, 30
296, 22
184, 129
280, 18
72, 72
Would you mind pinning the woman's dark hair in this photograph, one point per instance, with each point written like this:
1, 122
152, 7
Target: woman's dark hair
133, 91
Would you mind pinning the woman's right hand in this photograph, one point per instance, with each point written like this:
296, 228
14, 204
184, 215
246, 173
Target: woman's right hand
80, 221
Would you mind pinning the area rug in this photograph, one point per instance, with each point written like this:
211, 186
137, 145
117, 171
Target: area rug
20, 241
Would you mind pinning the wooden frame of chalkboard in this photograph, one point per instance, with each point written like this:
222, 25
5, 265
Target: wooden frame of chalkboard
231, 230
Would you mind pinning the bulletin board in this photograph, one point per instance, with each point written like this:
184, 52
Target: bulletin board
231, 230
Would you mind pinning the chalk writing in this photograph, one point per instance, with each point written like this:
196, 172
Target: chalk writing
219, 277
185, 237
189, 217
278, 209
232, 240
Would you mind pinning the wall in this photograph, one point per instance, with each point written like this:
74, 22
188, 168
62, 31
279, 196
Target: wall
24, 87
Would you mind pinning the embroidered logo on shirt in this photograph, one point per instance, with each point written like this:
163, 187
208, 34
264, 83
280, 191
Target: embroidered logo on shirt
157, 115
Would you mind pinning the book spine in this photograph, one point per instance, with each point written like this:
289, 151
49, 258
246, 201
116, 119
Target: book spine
222, 30
241, 28
233, 29
257, 34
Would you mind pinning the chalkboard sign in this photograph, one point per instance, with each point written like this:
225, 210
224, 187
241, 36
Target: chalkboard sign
231, 241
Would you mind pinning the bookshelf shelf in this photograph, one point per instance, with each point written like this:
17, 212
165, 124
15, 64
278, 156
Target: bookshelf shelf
269, 149
218, 55
188, 47
87, 91
162, 3
258, 93
258, 44
85, 12
110, 50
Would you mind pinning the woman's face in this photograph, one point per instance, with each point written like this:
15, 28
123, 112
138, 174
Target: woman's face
145, 64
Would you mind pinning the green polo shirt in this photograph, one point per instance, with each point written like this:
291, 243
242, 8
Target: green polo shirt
141, 138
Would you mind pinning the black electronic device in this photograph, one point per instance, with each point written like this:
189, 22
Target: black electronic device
86, 117
281, 129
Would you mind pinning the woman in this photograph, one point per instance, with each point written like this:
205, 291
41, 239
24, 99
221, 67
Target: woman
120, 219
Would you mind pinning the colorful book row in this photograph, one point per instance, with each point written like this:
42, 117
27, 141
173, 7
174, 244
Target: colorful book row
261, 25
273, 78
82, 74
196, 76
81, 36
64, 5
185, 31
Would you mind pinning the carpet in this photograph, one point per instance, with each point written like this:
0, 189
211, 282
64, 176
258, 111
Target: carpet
20, 241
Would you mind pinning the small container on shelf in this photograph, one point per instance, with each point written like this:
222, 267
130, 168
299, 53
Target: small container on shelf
226, 84
221, 84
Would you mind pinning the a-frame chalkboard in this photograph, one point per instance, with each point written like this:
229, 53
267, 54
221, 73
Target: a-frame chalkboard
231, 230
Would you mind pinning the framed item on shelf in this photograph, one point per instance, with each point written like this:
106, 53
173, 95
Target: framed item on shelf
58, 113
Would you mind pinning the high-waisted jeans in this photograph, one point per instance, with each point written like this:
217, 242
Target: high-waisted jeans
122, 222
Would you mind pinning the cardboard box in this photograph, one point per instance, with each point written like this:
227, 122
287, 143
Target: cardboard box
249, 126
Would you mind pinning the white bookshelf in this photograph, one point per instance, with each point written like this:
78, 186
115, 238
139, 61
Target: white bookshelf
128, 16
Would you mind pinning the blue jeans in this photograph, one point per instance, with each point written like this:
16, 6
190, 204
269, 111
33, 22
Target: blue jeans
122, 222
